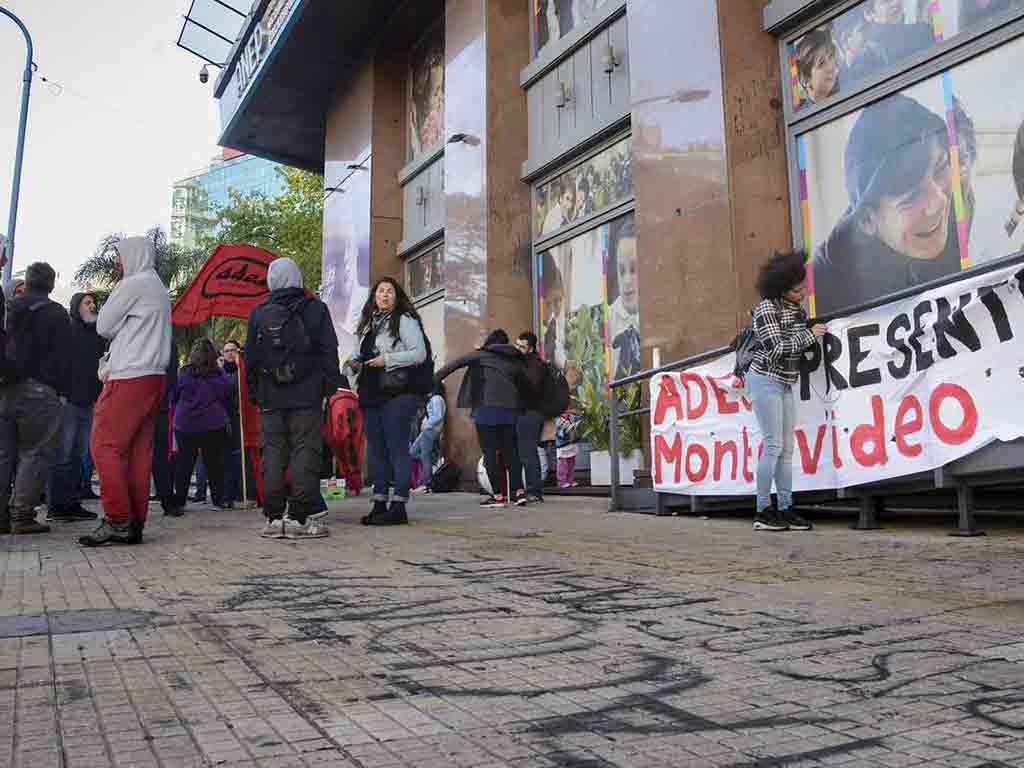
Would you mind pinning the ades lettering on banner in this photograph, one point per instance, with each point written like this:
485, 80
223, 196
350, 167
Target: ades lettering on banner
893, 391
239, 276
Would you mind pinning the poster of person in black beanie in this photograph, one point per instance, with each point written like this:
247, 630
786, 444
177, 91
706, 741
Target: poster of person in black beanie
917, 185
899, 229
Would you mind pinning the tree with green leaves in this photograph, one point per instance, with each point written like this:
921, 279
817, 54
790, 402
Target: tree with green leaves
290, 224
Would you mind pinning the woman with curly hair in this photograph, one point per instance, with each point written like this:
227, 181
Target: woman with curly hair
202, 400
780, 325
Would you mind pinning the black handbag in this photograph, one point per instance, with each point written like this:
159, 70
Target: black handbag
394, 382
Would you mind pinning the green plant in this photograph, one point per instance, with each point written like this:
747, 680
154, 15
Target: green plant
595, 424
584, 345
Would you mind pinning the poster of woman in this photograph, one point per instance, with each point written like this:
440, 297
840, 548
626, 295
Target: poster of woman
426, 93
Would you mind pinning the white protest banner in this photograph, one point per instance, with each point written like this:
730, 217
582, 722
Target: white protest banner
912, 385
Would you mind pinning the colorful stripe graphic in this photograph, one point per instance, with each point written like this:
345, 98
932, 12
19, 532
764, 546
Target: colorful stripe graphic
954, 170
805, 218
794, 79
935, 11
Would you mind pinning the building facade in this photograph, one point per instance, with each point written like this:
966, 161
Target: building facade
196, 198
612, 173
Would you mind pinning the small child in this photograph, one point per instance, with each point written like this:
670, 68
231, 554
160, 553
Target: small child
430, 429
566, 438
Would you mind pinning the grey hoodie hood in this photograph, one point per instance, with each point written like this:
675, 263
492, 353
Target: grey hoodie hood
284, 273
137, 255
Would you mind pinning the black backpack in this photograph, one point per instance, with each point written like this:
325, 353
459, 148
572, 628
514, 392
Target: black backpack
746, 346
555, 399
446, 478
283, 343
17, 341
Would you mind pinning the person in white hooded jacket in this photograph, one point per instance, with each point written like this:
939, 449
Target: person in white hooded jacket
136, 318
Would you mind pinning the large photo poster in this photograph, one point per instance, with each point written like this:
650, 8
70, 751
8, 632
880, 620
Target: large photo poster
554, 19
426, 93
589, 302
604, 180
901, 389
876, 34
916, 186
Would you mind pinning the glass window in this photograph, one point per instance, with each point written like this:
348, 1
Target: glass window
599, 183
425, 273
917, 185
426, 92
874, 35
589, 304
554, 19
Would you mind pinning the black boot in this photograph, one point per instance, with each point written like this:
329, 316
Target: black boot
111, 533
5, 525
380, 509
395, 515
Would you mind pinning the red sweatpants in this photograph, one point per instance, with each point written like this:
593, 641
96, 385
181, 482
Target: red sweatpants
122, 445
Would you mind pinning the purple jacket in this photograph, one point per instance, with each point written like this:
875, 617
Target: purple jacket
200, 403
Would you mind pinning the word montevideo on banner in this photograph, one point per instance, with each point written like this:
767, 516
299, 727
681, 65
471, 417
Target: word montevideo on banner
900, 389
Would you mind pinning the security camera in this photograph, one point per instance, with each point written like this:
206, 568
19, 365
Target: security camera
204, 75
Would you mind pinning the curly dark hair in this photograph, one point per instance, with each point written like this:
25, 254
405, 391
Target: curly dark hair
403, 306
783, 272
202, 358
497, 336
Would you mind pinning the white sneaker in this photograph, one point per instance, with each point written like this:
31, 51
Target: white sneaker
274, 529
293, 529
316, 525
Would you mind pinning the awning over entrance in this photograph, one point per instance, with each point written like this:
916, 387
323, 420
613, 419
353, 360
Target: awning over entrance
211, 28
276, 86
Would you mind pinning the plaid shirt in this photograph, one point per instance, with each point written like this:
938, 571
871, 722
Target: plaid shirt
781, 329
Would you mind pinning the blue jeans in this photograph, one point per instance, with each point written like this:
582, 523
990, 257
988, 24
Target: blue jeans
529, 425
423, 449
775, 410
387, 427
202, 481
71, 450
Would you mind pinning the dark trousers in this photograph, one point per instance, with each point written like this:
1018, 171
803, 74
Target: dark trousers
30, 422
292, 442
528, 428
388, 427
189, 445
163, 476
71, 449
501, 438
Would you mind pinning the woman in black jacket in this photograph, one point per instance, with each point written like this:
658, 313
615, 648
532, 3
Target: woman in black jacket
491, 388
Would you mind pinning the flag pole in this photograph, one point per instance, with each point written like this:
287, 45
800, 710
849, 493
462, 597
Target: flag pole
241, 431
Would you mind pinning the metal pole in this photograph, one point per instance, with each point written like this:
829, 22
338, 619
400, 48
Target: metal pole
613, 448
26, 90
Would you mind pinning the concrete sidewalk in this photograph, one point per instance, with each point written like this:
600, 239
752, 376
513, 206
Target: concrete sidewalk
557, 635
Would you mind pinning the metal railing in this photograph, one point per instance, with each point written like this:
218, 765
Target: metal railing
614, 415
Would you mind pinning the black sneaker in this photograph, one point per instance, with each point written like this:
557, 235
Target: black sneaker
494, 501
379, 509
395, 515
60, 515
173, 510
78, 512
769, 520
794, 521
521, 500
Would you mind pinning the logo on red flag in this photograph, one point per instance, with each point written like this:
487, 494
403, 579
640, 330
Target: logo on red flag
240, 276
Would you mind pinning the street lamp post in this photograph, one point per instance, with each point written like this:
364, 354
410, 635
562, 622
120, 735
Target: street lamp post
26, 90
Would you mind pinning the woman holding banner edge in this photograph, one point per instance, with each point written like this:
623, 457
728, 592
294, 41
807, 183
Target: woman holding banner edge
780, 325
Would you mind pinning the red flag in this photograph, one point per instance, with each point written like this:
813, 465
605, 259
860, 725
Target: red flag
248, 412
231, 283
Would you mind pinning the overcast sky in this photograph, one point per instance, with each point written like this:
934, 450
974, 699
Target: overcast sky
103, 150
